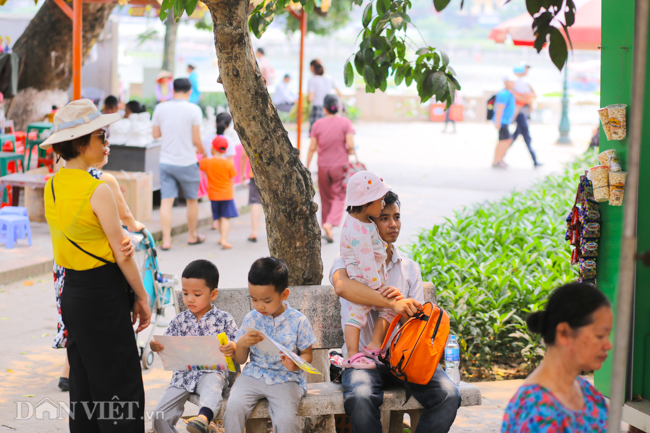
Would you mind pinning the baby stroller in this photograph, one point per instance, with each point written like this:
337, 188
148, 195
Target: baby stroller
160, 288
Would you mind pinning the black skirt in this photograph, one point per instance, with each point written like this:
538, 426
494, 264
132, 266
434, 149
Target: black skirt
106, 389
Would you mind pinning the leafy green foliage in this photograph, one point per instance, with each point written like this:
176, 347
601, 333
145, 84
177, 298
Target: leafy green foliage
495, 263
322, 24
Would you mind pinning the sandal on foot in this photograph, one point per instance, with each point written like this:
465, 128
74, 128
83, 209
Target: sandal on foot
199, 240
197, 425
252, 239
359, 362
64, 384
372, 353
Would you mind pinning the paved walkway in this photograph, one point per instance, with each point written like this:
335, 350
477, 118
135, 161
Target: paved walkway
433, 173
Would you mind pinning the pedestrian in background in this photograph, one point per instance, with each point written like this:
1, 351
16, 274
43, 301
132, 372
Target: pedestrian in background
524, 96
267, 71
284, 98
319, 86
164, 86
332, 137
195, 96
504, 112
575, 325
178, 122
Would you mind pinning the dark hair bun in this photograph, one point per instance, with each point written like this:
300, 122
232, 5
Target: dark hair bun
535, 322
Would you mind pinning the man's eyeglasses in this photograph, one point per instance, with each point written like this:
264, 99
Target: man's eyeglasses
101, 134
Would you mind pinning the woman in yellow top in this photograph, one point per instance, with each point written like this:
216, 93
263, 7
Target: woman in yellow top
96, 304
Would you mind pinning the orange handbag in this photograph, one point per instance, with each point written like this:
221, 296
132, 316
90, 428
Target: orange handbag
418, 346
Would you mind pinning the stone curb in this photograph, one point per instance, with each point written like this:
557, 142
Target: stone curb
45, 266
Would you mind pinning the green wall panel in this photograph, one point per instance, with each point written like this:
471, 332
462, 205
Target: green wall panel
617, 32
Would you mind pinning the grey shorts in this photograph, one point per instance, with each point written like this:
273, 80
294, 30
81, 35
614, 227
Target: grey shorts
253, 193
173, 176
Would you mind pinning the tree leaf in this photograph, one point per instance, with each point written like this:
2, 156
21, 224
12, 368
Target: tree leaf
359, 62
570, 13
533, 6
396, 20
453, 81
422, 51
557, 49
179, 7
367, 15
369, 57
369, 76
445, 58
437, 81
440, 4
190, 6
383, 6
348, 74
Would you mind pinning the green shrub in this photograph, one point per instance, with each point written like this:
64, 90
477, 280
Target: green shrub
496, 262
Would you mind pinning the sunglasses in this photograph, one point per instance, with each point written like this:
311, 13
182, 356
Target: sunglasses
101, 134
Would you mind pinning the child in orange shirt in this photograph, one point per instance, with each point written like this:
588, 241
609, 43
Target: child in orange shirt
220, 172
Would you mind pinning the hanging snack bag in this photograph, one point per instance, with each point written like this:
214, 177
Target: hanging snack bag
599, 176
604, 119
591, 231
587, 269
616, 187
591, 206
588, 248
575, 256
601, 194
610, 159
617, 122
587, 216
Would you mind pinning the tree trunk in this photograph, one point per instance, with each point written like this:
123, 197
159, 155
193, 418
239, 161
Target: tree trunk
285, 185
45, 50
169, 50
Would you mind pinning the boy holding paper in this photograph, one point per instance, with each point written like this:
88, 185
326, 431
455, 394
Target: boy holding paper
274, 377
200, 281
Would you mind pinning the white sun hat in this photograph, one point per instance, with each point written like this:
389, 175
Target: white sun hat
365, 187
77, 119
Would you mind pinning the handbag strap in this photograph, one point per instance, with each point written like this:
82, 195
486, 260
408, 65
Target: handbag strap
390, 332
106, 262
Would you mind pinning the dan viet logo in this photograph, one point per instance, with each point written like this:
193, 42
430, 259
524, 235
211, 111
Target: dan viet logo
114, 410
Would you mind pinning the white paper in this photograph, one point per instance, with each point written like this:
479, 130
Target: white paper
187, 353
270, 347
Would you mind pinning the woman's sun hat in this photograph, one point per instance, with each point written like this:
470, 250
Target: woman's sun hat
77, 119
164, 74
365, 187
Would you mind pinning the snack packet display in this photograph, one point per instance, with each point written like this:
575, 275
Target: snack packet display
591, 231
588, 248
610, 159
617, 122
617, 187
601, 194
604, 119
587, 268
599, 176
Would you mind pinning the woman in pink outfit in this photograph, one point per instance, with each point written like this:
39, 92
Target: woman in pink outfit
332, 137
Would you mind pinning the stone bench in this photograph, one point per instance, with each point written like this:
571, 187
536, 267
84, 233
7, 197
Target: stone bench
324, 399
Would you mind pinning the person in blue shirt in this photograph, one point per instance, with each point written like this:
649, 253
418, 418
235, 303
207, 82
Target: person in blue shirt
504, 112
272, 376
195, 96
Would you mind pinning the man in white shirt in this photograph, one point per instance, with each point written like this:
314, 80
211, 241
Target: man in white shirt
524, 96
284, 98
178, 122
362, 389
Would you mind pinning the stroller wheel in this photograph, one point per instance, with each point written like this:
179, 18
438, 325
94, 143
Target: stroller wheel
147, 358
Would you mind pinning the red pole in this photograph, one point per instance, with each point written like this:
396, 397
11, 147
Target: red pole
303, 32
77, 25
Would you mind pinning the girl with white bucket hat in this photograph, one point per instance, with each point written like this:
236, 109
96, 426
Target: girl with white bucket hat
102, 284
364, 253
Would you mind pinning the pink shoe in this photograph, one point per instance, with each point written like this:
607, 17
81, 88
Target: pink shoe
372, 353
359, 362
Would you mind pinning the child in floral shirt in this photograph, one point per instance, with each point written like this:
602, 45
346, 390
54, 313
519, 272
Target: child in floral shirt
276, 378
364, 253
200, 281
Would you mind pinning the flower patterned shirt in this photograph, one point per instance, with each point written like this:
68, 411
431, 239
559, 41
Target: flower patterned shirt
185, 324
364, 252
291, 329
535, 409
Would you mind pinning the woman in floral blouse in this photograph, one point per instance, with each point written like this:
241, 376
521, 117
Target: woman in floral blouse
555, 398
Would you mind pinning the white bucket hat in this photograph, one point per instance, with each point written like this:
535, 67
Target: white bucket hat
77, 119
365, 187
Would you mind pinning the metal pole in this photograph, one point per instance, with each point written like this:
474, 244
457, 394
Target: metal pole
565, 125
77, 25
627, 267
303, 32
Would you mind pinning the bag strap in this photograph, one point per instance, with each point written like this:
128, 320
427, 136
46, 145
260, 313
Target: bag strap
106, 262
390, 331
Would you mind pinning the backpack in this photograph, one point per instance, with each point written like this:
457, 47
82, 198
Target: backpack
418, 346
490, 107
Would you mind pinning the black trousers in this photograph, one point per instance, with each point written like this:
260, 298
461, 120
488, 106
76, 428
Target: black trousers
522, 129
106, 389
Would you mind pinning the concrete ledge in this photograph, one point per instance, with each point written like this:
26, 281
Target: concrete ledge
24, 272
327, 399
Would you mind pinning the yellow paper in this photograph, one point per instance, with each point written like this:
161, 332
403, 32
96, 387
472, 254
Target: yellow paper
223, 340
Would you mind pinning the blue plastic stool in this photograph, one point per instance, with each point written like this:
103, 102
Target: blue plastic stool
14, 227
14, 210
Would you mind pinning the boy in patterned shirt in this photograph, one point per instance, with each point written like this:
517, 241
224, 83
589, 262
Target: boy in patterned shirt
200, 282
276, 378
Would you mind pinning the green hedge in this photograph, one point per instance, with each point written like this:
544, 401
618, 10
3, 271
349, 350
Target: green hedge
494, 263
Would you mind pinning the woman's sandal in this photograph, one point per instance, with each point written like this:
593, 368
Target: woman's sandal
359, 362
372, 353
